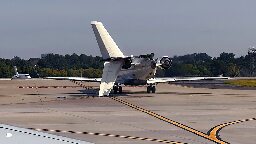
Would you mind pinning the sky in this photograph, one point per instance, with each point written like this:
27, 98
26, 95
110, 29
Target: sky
29, 28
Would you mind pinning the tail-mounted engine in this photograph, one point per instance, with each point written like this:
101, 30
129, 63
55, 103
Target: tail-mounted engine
127, 63
165, 62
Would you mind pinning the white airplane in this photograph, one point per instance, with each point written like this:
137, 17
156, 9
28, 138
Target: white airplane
125, 70
120, 69
20, 76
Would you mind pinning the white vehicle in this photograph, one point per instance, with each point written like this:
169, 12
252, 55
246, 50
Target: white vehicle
20, 76
125, 70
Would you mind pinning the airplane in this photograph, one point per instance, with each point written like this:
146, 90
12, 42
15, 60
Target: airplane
20, 76
120, 69
127, 70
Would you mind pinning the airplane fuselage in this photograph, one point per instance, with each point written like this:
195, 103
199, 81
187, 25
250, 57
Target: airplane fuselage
21, 76
140, 71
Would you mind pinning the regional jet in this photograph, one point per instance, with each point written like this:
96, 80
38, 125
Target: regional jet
20, 76
126, 70
120, 69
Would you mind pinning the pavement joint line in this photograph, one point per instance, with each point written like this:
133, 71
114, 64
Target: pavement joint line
108, 135
40, 87
29, 102
96, 121
177, 124
214, 132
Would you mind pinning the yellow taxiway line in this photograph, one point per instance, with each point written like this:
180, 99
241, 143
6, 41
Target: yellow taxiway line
177, 124
214, 132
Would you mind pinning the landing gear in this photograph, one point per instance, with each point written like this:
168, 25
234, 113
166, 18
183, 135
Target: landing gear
151, 88
120, 89
117, 89
148, 89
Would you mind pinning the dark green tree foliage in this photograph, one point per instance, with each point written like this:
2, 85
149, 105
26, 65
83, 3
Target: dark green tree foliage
243, 63
6, 69
56, 61
225, 65
201, 64
70, 65
54, 65
197, 64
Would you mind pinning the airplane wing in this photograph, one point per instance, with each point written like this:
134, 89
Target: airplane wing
175, 79
160, 80
15, 135
110, 72
76, 79
217, 78
172, 79
200, 78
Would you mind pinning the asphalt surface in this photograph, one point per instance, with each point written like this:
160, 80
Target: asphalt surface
175, 114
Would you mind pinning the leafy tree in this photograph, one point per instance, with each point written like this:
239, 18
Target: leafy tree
196, 64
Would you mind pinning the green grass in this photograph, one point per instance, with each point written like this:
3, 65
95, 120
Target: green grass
242, 82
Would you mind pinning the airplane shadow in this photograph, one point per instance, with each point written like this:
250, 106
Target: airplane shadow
94, 93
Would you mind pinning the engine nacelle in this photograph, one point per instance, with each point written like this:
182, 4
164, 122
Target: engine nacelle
127, 63
153, 64
165, 62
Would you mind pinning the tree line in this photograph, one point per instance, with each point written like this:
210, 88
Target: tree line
197, 64
54, 65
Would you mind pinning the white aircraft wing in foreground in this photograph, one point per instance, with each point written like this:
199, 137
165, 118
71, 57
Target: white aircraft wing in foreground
15, 135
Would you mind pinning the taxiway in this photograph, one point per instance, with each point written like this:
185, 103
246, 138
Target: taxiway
175, 114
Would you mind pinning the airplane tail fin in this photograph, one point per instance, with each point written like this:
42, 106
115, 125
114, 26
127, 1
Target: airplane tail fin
108, 47
16, 70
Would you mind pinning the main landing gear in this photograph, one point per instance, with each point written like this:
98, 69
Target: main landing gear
117, 89
151, 88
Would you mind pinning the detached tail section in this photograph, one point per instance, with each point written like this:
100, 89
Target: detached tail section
108, 47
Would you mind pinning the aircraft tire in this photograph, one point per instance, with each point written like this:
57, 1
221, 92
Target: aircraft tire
148, 89
115, 88
120, 89
153, 89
